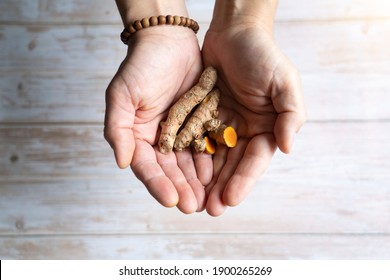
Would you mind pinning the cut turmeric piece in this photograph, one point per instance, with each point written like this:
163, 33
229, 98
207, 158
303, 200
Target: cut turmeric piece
225, 135
210, 145
205, 144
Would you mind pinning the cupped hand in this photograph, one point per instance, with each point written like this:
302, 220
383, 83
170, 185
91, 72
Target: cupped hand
261, 97
161, 64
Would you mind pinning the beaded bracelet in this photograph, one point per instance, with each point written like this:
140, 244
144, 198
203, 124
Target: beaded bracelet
157, 20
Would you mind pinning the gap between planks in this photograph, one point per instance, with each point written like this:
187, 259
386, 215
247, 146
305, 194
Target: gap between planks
184, 233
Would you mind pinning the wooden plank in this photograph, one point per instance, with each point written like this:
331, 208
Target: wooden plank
114, 206
59, 11
332, 10
60, 188
44, 151
53, 97
307, 10
52, 151
79, 97
314, 47
64, 180
105, 12
195, 246
342, 79
317, 48
60, 48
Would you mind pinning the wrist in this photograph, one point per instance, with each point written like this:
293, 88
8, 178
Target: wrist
243, 12
131, 10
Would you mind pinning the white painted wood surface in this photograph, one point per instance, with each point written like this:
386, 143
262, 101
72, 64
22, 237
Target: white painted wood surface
61, 195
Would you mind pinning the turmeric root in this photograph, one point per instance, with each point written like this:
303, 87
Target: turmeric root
199, 145
212, 124
205, 144
225, 135
183, 107
194, 128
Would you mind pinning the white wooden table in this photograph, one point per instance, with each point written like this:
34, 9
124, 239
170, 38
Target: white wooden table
62, 196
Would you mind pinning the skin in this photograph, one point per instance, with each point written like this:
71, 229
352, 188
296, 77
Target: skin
161, 64
260, 96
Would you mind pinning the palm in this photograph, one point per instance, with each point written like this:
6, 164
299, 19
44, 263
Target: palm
155, 76
253, 75
157, 70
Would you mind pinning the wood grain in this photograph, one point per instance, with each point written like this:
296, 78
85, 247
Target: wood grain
41, 78
62, 196
118, 206
60, 48
334, 182
198, 246
313, 47
53, 97
105, 12
64, 151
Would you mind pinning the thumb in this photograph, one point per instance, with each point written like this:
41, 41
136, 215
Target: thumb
118, 124
286, 126
288, 102
121, 141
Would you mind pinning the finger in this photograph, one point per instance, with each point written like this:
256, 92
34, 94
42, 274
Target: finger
187, 199
121, 141
219, 160
186, 163
286, 126
215, 205
288, 102
215, 202
200, 194
232, 160
118, 123
253, 164
146, 168
204, 167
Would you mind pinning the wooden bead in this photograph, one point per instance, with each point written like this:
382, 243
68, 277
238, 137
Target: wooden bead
124, 38
162, 20
176, 20
132, 30
188, 23
125, 33
145, 22
183, 21
196, 27
170, 19
153, 21
137, 25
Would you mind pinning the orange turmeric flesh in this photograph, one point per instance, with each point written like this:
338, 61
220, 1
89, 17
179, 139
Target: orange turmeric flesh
225, 135
210, 145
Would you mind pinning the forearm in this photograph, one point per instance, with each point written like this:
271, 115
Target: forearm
131, 10
233, 12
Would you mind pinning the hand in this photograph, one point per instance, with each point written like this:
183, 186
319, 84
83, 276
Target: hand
261, 98
162, 63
